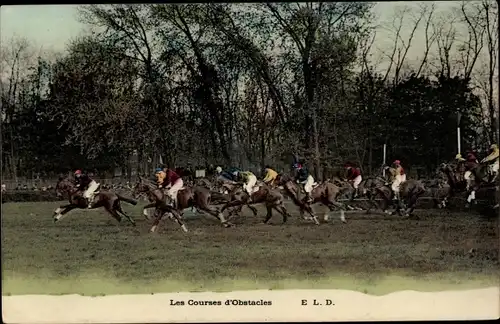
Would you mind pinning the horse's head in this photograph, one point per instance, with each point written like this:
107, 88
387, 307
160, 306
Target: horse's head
140, 188
64, 185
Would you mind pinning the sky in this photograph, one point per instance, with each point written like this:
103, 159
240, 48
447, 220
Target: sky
52, 26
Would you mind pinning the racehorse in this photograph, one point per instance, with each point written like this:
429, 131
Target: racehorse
481, 178
103, 198
454, 179
410, 191
325, 193
197, 197
231, 191
262, 193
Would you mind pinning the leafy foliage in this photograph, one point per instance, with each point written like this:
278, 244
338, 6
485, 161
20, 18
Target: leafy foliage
234, 84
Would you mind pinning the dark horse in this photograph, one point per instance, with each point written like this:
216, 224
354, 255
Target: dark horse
455, 179
103, 198
410, 191
262, 193
326, 193
481, 178
197, 197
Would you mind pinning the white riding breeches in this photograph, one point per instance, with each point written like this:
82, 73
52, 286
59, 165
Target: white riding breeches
493, 168
400, 178
357, 181
90, 190
176, 186
248, 186
467, 175
308, 185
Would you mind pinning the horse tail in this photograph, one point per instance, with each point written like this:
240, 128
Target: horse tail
128, 200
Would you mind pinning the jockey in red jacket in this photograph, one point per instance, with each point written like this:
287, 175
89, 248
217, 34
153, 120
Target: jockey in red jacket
354, 177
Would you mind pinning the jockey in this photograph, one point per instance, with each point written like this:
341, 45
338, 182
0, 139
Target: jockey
459, 158
471, 158
171, 181
226, 175
398, 176
470, 162
270, 176
353, 176
305, 178
87, 185
492, 161
249, 181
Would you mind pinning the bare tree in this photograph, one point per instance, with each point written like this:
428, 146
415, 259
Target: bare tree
15, 60
491, 22
472, 47
430, 34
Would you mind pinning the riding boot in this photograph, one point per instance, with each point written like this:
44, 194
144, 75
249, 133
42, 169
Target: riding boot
395, 196
308, 197
355, 195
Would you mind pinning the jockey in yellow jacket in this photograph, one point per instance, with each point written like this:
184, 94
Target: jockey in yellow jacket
270, 176
492, 161
249, 180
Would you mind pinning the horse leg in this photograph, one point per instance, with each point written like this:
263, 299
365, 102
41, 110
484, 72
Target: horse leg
472, 195
253, 209
216, 214
178, 220
310, 212
280, 208
144, 212
113, 213
341, 207
269, 214
61, 211
158, 217
233, 203
119, 209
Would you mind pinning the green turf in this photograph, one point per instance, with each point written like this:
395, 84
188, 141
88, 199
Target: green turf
90, 253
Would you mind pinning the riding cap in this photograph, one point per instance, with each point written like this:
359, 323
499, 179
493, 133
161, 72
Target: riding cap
78, 172
158, 170
348, 165
397, 162
458, 156
493, 147
297, 166
218, 169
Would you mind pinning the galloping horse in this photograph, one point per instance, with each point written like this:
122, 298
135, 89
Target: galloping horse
272, 199
103, 198
481, 178
410, 191
197, 197
325, 193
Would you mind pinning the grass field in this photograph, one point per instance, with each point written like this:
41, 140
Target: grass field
89, 253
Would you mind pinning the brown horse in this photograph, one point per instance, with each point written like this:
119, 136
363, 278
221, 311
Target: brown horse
195, 197
103, 198
481, 178
325, 193
455, 180
410, 191
271, 198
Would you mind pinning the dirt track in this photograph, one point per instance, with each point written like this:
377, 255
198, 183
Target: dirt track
89, 242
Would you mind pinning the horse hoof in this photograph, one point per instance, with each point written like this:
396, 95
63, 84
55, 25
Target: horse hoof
184, 228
